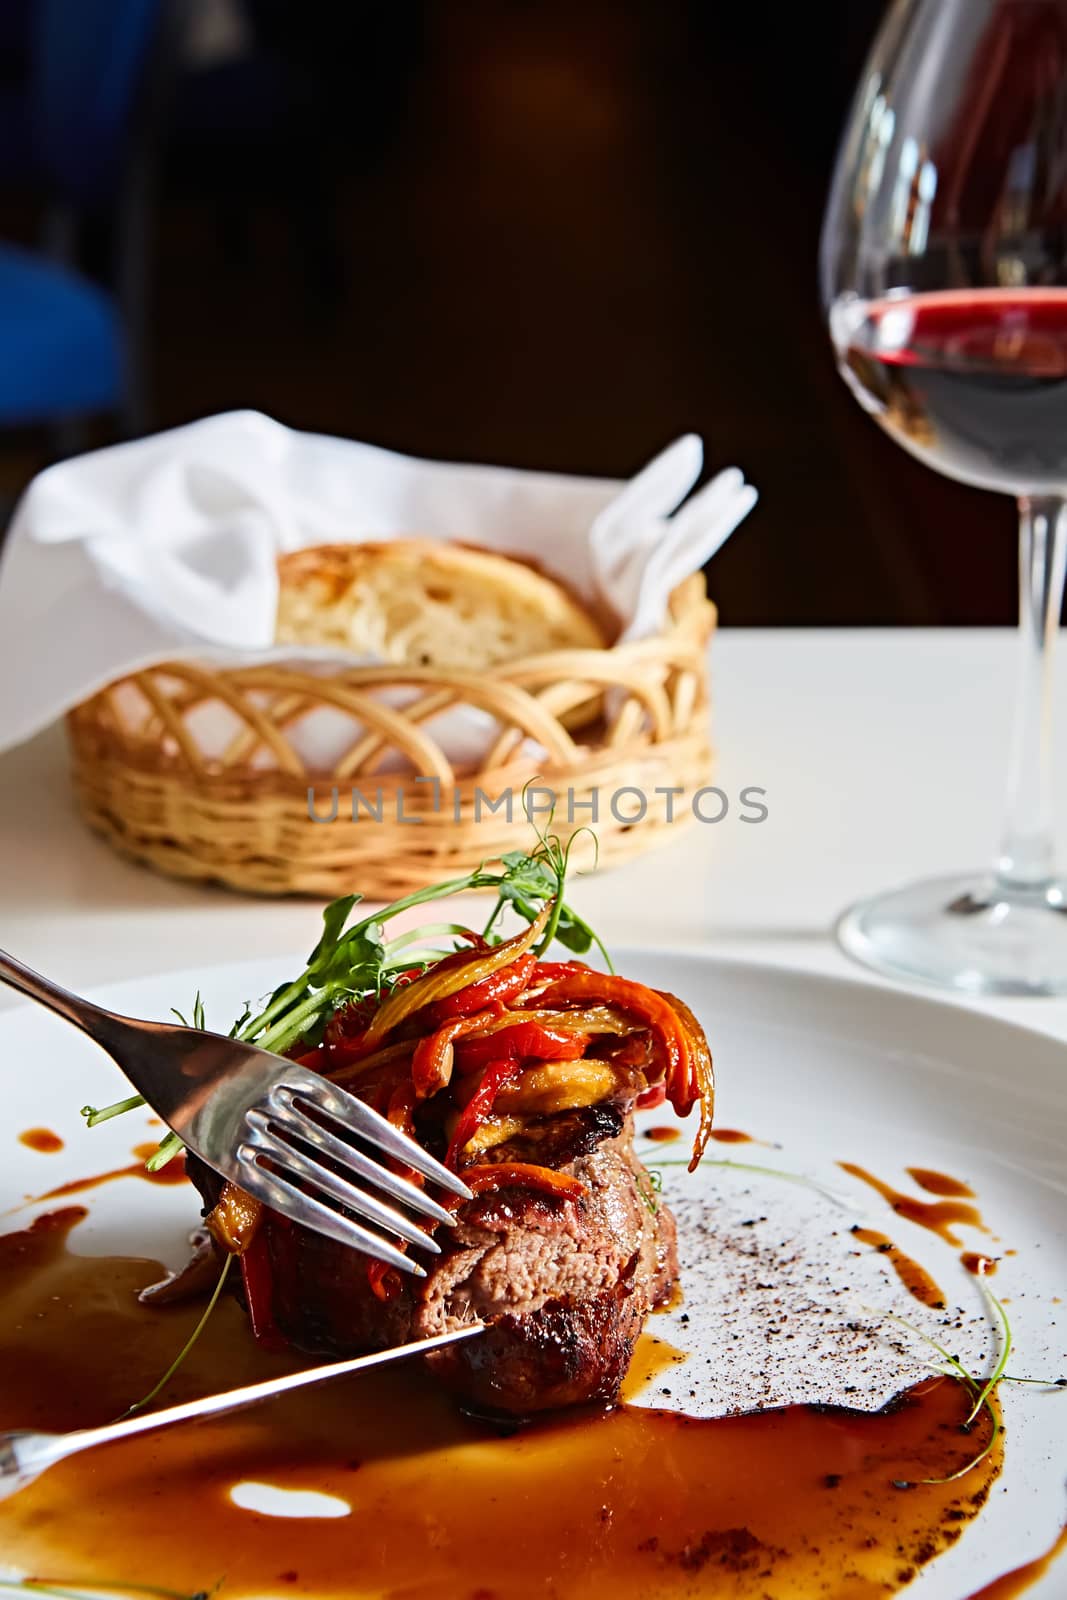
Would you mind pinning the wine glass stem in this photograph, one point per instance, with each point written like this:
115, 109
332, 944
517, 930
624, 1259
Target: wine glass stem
1027, 859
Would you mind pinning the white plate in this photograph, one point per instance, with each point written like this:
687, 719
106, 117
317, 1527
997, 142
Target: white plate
827, 1070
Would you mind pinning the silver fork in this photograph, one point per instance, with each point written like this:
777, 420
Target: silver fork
245, 1112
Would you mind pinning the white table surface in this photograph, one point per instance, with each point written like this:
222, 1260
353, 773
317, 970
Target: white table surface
883, 754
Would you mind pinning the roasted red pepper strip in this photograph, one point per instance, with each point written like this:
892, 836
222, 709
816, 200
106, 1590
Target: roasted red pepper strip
524, 1039
649, 1099
549, 971
399, 1110
499, 986
258, 1282
669, 1034
385, 1281
431, 1066
445, 979
496, 1076
523, 1175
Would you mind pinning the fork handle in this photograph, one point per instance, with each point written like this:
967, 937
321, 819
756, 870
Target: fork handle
81, 1012
23, 1457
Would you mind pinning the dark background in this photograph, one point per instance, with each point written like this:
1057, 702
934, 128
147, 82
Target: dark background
552, 234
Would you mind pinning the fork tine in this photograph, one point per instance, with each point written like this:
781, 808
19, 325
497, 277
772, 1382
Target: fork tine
297, 1164
291, 1119
274, 1190
354, 1115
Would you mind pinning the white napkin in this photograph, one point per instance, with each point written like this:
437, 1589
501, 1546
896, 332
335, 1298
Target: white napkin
165, 548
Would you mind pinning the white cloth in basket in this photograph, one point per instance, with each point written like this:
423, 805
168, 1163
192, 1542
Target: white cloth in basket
165, 548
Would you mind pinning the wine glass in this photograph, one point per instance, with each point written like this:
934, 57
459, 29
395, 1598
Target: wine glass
944, 275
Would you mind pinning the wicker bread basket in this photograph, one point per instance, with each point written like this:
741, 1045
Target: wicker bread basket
577, 722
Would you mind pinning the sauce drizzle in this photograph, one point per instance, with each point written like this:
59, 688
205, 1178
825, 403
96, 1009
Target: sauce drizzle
732, 1136
939, 1216
1017, 1582
940, 1183
663, 1135
173, 1172
43, 1140
915, 1278
981, 1266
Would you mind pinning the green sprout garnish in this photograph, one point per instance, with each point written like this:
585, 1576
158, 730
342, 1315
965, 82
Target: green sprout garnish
650, 1195
105, 1113
198, 1014
766, 1172
147, 1399
950, 1366
353, 963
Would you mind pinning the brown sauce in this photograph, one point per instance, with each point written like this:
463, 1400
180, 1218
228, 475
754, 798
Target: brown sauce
940, 1183
1018, 1581
652, 1360
43, 1140
732, 1136
940, 1216
663, 1135
674, 1301
627, 1503
173, 1172
981, 1266
914, 1277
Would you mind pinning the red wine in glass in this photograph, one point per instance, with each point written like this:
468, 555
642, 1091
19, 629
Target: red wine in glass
973, 382
944, 278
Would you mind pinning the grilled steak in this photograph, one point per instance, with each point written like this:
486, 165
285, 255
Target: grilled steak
565, 1284
521, 1075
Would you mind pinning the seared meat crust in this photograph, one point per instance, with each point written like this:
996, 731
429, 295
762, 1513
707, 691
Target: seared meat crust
565, 1284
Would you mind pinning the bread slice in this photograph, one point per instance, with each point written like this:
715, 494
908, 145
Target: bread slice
423, 603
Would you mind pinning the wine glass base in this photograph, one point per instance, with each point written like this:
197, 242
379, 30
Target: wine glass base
968, 934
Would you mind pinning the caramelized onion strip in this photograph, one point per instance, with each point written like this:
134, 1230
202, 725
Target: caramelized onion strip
445, 979
235, 1220
703, 1082
552, 1087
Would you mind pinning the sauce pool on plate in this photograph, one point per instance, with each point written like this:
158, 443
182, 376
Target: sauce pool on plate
630, 1503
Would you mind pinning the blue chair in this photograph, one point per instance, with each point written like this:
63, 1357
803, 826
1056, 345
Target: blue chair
65, 345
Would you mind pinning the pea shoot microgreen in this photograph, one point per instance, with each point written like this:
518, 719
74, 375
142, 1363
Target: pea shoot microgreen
161, 1384
950, 1366
766, 1172
650, 1196
352, 963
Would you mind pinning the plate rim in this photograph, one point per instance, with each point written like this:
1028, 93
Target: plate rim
918, 999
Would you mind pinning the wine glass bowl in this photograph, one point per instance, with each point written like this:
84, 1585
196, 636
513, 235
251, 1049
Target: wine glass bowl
944, 279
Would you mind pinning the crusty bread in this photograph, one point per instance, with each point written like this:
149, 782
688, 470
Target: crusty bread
422, 603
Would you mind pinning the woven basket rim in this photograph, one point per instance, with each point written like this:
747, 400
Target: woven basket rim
580, 722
